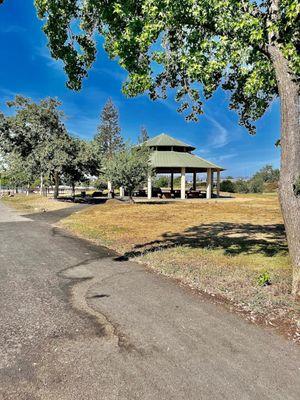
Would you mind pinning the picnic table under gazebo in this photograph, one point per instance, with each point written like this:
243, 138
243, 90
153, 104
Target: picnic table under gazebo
171, 156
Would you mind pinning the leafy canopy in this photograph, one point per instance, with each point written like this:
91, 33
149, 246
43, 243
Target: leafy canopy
194, 46
36, 135
267, 174
30, 126
82, 162
128, 168
161, 182
35, 141
16, 171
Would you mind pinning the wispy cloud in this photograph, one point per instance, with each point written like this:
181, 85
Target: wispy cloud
83, 126
221, 136
223, 159
168, 104
227, 156
12, 29
202, 151
7, 92
6, 95
44, 53
117, 75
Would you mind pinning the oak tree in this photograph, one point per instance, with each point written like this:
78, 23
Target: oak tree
247, 47
35, 132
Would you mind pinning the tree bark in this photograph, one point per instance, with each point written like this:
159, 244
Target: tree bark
131, 201
73, 191
56, 185
290, 158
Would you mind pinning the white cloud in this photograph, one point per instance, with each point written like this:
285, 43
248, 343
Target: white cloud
44, 52
83, 126
202, 151
220, 137
227, 156
117, 75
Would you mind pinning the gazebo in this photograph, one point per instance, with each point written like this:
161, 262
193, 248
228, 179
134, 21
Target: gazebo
171, 156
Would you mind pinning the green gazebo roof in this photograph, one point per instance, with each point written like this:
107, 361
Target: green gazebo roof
174, 159
170, 155
164, 140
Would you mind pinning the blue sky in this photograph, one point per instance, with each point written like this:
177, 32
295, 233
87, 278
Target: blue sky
27, 68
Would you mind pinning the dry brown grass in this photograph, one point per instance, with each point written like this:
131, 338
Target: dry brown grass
34, 203
219, 246
124, 226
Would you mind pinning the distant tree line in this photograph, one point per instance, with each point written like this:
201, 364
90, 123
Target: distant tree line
265, 180
37, 150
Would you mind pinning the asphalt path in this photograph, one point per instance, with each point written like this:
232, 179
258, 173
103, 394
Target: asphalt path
77, 323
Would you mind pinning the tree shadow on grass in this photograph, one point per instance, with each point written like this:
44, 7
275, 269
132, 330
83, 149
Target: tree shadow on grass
234, 239
82, 200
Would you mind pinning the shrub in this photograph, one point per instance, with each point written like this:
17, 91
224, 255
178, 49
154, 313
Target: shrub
267, 174
270, 187
161, 182
256, 185
241, 186
227, 186
99, 184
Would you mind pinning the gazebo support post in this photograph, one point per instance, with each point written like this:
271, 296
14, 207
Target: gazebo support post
109, 188
218, 183
172, 182
208, 184
149, 189
182, 183
122, 192
194, 180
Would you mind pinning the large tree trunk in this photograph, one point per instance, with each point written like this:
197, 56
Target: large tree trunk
131, 201
73, 190
290, 158
56, 185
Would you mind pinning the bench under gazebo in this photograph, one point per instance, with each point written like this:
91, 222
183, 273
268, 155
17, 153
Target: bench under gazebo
171, 156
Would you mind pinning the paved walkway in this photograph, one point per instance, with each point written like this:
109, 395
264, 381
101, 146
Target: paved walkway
78, 325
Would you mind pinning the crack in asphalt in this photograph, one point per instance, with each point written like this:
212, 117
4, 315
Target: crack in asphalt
78, 299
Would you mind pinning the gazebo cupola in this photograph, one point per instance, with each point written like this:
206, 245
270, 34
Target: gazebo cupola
169, 155
165, 142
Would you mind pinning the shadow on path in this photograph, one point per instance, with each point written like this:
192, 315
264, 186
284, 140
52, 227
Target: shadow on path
57, 215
